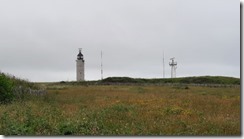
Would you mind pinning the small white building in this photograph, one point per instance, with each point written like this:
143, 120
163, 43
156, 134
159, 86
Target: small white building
80, 67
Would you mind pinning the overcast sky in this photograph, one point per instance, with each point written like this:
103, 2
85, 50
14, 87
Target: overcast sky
39, 39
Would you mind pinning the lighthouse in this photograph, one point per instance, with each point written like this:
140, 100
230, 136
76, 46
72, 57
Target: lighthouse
80, 67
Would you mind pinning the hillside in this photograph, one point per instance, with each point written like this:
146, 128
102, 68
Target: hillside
183, 80
210, 80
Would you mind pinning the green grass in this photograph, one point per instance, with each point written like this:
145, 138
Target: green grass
125, 110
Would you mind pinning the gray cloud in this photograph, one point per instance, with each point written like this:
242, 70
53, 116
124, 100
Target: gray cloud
39, 40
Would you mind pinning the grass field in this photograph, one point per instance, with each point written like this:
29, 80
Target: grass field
125, 110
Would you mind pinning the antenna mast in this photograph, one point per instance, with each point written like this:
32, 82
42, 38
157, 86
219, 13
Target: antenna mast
101, 65
163, 66
173, 65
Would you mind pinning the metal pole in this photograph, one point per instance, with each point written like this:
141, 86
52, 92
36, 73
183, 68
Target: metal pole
101, 65
163, 66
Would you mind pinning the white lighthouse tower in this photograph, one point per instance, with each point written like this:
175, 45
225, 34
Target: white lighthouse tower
80, 67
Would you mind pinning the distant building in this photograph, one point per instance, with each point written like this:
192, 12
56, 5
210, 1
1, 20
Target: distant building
80, 67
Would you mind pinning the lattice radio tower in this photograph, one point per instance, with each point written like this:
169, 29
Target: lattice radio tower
173, 65
163, 66
101, 65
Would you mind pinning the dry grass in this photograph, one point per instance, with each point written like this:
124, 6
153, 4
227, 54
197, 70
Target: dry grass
125, 110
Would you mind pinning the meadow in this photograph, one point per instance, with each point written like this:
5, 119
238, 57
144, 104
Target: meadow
125, 110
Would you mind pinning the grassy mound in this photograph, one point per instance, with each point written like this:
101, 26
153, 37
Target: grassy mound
185, 80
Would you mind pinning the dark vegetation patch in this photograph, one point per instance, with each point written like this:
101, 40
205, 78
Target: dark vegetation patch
185, 80
12, 88
211, 80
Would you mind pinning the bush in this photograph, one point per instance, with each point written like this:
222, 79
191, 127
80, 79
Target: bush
6, 87
119, 80
62, 82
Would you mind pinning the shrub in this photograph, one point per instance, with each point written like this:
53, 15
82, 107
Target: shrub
120, 80
6, 87
62, 82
